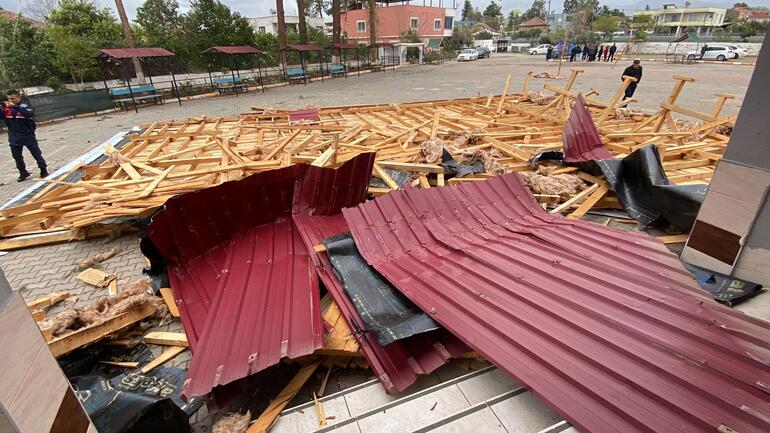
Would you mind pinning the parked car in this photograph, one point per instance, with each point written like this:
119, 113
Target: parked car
483, 52
540, 49
467, 55
741, 52
713, 52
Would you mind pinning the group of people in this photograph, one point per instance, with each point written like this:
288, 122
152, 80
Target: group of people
600, 53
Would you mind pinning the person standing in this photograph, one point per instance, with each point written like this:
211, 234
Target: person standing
585, 52
613, 48
703, 50
606, 53
599, 53
635, 70
548, 53
20, 118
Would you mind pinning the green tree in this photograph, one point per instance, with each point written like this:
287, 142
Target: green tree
467, 10
493, 15
410, 35
482, 35
159, 19
209, 22
26, 54
605, 24
77, 29
606, 11
642, 25
536, 10
572, 6
462, 36
514, 18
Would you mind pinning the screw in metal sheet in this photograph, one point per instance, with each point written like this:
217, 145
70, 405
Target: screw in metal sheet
519, 276
433, 310
556, 261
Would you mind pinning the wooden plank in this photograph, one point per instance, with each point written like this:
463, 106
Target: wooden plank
382, 174
590, 201
168, 298
48, 300
166, 338
674, 239
164, 357
123, 364
65, 344
268, 417
578, 197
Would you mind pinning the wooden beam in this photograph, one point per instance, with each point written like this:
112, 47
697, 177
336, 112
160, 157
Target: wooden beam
163, 358
268, 417
166, 338
168, 297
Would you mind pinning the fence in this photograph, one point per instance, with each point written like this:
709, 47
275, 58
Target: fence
56, 106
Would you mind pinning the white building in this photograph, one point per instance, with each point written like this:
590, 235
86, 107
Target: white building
674, 20
269, 24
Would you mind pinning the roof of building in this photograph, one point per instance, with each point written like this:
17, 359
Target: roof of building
232, 49
125, 53
13, 15
759, 15
534, 22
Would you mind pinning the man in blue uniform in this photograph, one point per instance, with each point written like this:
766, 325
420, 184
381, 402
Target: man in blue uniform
20, 119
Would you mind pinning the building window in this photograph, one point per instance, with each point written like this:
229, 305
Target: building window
436, 24
262, 29
361, 26
448, 21
414, 23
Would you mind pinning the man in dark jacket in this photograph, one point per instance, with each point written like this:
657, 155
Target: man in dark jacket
613, 48
635, 70
20, 119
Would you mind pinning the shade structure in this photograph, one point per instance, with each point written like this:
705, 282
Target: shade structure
303, 47
232, 49
127, 53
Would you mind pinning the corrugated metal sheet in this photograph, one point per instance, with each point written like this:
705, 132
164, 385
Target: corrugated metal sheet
232, 49
605, 326
124, 53
581, 140
398, 364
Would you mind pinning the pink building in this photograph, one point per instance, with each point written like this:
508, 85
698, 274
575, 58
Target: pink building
430, 22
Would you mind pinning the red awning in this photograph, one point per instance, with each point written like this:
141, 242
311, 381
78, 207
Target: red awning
607, 327
581, 137
125, 53
232, 49
304, 47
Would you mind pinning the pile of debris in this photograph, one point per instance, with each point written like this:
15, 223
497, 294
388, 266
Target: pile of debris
137, 175
328, 242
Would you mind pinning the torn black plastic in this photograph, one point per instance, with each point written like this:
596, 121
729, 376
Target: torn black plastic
383, 309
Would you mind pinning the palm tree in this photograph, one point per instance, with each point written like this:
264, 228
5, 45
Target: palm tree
281, 29
302, 23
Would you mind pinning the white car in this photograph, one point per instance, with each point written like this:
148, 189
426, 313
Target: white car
715, 52
742, 52
467, 55
540, 49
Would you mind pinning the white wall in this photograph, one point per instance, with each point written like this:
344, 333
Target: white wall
660, 47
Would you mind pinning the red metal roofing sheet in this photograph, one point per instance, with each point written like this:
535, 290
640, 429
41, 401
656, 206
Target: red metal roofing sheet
123, 53
397, 364
232, 49
345, 46
581, 138
605, 326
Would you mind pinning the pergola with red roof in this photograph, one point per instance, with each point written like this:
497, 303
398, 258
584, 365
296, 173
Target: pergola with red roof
234, 51
302, 49
383, 45
118, 55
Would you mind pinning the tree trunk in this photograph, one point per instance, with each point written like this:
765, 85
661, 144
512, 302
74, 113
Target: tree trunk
302, 24
372, 5
129, 38
336, 25
281, 29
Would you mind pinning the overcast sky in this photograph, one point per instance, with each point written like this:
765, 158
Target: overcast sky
256, 8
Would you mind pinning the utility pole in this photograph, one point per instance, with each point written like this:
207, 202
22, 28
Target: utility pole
129, 38
548, 18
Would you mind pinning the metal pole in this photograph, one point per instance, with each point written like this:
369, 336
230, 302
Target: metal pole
174, 89
128, 82
104, 75
208, 68
358, 62
232, 74
259, 74
149, 72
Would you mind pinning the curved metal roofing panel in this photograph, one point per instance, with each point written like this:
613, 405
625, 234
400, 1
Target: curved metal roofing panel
604, 326
581, 140
232, 49
125, 53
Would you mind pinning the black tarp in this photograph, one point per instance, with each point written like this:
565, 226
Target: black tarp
59, 105
454, 168
645, 192
383, 309
119, 400
725, 289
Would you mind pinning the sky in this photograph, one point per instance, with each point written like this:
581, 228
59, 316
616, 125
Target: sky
256, 8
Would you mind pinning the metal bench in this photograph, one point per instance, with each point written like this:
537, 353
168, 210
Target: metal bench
230, 84
141, 94
296, 74
337, 69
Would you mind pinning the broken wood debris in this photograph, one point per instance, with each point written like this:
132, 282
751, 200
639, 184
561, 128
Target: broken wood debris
172, 157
